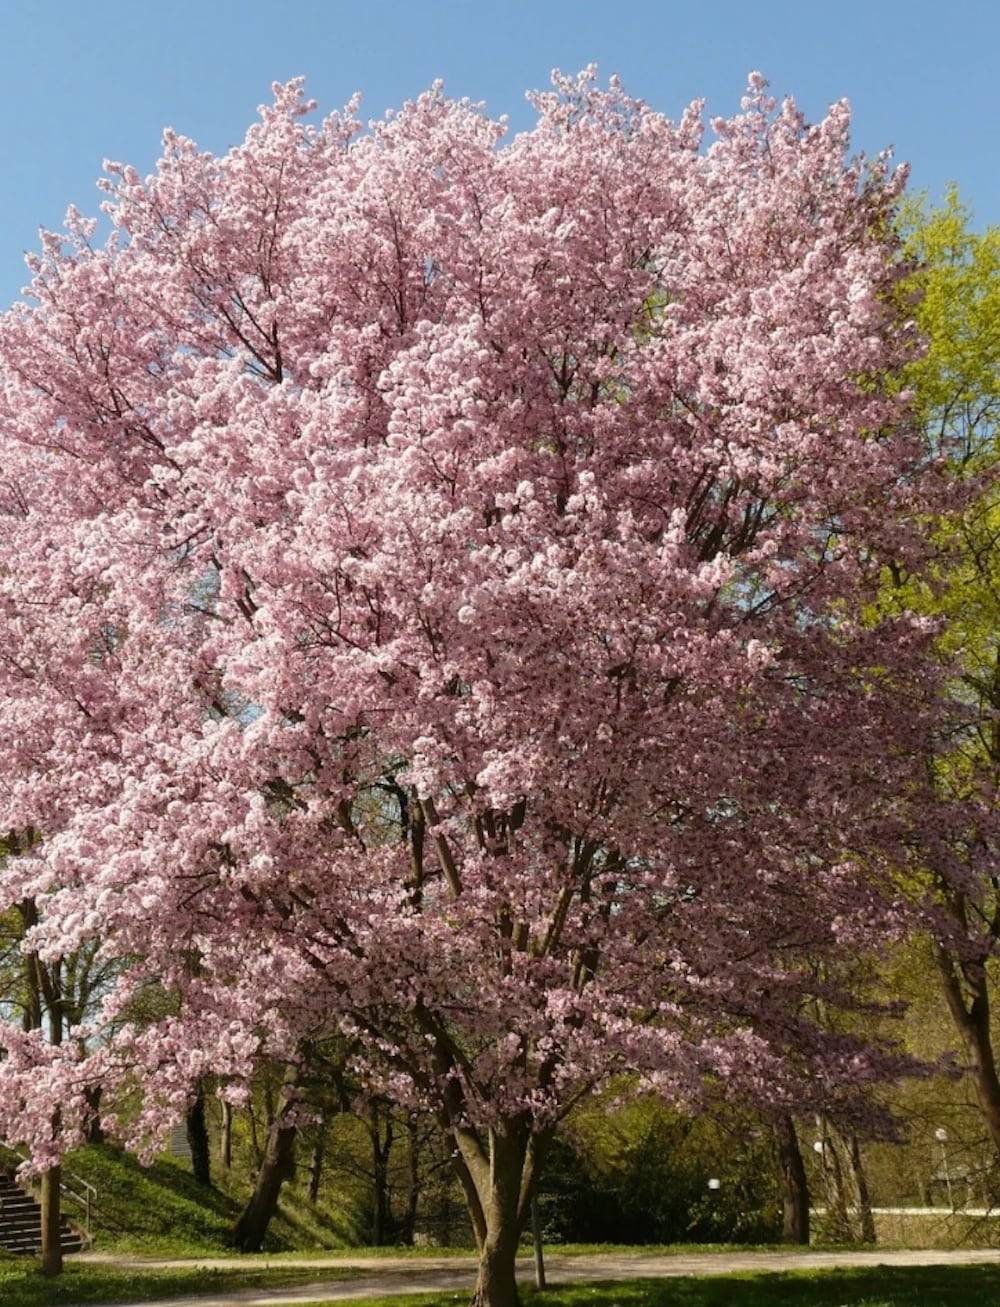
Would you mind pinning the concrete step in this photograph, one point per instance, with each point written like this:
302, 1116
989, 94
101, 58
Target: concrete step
21, 1222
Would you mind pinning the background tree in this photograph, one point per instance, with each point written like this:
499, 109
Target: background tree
957, 389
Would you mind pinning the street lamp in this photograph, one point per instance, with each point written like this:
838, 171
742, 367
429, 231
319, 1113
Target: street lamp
715, 1184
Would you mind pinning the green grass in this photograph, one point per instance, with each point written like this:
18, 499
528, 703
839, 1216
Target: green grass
23, 1285
162, 1210
909, 1286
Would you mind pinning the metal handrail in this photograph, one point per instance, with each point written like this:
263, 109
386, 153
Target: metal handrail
87, 1200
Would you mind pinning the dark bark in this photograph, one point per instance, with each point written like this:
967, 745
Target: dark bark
226, 1136
381, 1141
276, 1167
197, 1134
44, 984
794, 1185
95, 1132
258, 1152
409, 1224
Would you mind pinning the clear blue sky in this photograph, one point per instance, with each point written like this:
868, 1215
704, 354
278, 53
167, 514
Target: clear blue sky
86, 82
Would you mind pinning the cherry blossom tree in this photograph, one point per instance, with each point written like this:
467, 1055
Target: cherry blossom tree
433, 580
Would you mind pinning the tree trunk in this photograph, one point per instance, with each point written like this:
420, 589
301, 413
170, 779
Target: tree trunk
968, 1001
381, 1148
496, 1284
95, 1132
864, 1201
197, 1134
276, 1167
226, 1136
409, 1226
503, 1180
52, 1257
794, 1185
838, 1220
46, 979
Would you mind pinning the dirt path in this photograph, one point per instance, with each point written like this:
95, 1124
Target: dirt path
383, 1276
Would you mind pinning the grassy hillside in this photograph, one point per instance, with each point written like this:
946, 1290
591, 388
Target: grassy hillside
161, 1208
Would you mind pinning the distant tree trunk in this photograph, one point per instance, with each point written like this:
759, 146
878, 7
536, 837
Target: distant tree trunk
381, 1148
862, 1193
95, 1132
258, 1152
409, 1226
44, 981
276, 1167
269, 1104
316, 1162
794, 1185
226, 1136
966, 991
838, 1220
197, 1134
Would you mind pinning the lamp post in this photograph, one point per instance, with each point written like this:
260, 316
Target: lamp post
536, 1239
941, 1135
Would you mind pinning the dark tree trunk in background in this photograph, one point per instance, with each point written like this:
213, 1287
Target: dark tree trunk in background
258, 1152
794, 1185
197, 1134
409, 1226
44, 986
966, 989
838, 1225
316, 1162
381, 1140
276, 1167
95, 1133
226, 1136
864, 1201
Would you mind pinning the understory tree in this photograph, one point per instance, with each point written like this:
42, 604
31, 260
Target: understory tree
432, 573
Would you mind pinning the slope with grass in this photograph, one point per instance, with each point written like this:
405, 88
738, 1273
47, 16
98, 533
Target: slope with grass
162, 1209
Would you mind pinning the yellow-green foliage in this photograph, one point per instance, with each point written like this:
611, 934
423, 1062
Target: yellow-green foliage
957, 399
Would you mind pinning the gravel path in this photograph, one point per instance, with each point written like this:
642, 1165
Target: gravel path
383, 1276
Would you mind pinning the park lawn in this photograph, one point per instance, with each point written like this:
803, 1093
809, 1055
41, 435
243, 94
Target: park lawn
882, 1286
23, 1285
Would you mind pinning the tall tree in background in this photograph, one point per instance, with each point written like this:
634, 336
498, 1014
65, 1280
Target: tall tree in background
431, 575
957, 385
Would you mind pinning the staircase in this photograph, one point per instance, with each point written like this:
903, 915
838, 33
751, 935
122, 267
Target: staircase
21, 1222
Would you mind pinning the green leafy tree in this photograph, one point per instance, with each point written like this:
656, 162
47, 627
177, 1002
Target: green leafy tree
956, 388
